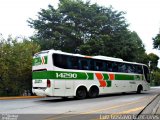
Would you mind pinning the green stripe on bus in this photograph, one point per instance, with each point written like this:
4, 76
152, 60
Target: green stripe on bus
124, 77
90, 76
106, 77
43, 75
62, 75
80, 76
109, 83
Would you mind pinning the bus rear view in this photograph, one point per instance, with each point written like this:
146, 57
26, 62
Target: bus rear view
40, 83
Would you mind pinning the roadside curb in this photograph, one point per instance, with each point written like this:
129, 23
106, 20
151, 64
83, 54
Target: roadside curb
156, 110
152, 106
20, 97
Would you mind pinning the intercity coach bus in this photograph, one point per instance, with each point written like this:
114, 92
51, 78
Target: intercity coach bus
57, 73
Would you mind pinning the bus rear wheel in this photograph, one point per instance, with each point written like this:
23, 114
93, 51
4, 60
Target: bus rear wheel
93, 92
81, 93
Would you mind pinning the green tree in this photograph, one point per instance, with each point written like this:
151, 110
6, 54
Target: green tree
153, 58
74, 23
155, 78
88, 29
16, 65
156, 42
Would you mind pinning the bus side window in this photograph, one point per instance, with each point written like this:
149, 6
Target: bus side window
60, 61
56, 60
91, 64
138, 69
122, 67
109, 66
74, 63
115, 67
129, 68
134, 68
84, 63
99, 65
104, 66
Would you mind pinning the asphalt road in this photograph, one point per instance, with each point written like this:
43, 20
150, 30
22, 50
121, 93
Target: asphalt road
56, 108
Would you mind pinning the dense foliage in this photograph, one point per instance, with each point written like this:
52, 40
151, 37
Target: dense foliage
87, 29
156, 42
155, 75
153, 59
156, 72
16, 65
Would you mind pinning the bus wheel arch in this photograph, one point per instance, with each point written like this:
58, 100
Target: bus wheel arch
139, 88
81, 92
93, 91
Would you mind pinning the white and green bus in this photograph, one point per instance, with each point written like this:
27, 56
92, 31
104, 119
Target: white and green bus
57, 73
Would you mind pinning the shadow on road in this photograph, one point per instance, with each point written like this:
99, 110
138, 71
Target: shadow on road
108, 96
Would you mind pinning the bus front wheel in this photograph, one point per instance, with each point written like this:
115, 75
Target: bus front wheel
139, 89
81, 93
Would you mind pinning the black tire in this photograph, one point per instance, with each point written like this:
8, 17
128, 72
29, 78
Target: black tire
93, 92
81, 93
139, 89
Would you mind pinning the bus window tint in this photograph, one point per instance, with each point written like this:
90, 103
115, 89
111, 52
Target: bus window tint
74, 63
91, 64
129, 68
109, 66
80, 63
84, 64
134, 68
115, 66
99, 65
138, 69
60, 61
104, 66
122, 67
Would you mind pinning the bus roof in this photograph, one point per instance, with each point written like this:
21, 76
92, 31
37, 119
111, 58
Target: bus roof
107, 58
99, 57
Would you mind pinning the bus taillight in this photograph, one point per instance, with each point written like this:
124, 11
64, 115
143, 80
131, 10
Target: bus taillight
48, 83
